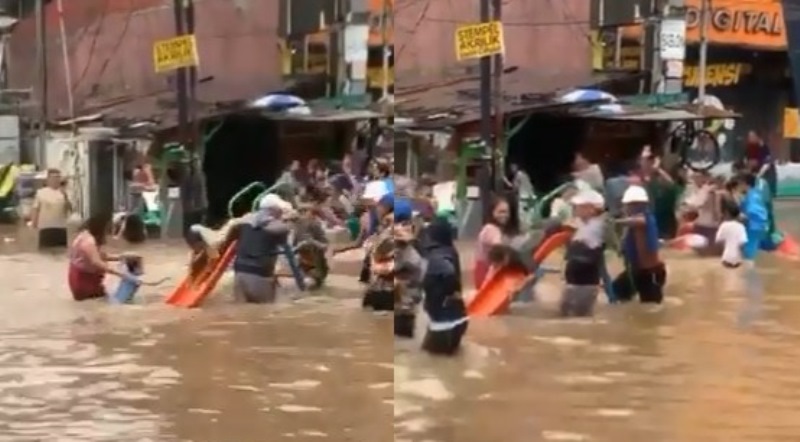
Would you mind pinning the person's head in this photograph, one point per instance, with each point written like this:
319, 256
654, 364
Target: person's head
134, 265
440, 233
403, 210
273, 206
498, 255
514, 168
97, 225
307, 210
501, 212
647, 159
403, 233
701, 178
54, 179
753, 137
635, 200
294, 166
312, 165
385, 205
745, 182
383, 168
580, 162
731, 213
588, 204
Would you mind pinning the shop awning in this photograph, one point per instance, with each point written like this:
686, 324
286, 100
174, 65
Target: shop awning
654, 115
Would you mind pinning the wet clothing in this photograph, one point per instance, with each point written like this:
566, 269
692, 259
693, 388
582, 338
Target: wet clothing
259, 245
84, 280
310, 242
585, 254
52, 238
762, 154
442, 285
756, 222
648, 283
641, 275
254, 289
578, 300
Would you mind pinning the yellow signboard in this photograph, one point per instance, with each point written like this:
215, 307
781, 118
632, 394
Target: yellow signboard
479, 40
791, 123
175, 53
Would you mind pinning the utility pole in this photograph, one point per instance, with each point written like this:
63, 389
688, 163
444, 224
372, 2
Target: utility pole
499, 127
485, 181
181, 78
41, 53
385, 23
705, 11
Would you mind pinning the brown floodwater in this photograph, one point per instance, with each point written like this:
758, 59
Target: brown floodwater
313, 369
716, 362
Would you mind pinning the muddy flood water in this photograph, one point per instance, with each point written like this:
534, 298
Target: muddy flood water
714, 363
307, 370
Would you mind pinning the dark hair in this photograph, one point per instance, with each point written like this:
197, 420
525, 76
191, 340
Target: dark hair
97, 225
749, 179
512, 226
731, 212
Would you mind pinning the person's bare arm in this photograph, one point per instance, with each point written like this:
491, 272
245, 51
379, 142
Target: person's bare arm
99, 259
37, 207
360, 239
636, 220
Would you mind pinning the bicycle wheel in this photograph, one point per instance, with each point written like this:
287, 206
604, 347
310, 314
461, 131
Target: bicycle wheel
700, 150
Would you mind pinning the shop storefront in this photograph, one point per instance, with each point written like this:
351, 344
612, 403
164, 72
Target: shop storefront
748, 70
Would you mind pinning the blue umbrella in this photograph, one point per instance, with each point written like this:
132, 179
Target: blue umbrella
278, 102
586, 95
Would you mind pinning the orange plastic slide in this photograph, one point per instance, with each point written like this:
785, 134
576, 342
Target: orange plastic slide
789, 248
191, 294
494, 296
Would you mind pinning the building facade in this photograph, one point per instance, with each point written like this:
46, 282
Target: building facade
109, 54
747, 70
425, 37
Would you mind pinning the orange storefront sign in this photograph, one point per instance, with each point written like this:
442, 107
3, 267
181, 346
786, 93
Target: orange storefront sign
376, 9
754, 23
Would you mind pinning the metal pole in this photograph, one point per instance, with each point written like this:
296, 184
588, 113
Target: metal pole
67, 65
194, 135
484, 178
499, 127
385, 17
41, 52
705, 10
181, 77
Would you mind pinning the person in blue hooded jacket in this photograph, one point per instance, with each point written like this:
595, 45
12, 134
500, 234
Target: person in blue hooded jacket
644, 272
443, 291
756, 215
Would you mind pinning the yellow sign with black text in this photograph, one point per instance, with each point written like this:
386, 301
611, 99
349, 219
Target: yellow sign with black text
175, 53
479, 40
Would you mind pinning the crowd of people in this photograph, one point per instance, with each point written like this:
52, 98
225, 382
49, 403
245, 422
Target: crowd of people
411, 261
639, 210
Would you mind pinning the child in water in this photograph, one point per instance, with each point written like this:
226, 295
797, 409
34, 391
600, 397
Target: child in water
310, 244
732, 236
584, 255
644, 272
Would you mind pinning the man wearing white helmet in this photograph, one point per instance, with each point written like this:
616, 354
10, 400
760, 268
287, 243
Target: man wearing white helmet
644, 272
